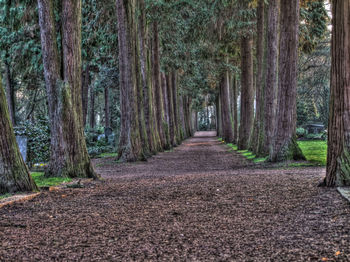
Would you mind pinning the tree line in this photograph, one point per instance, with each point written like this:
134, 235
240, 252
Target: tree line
170, 55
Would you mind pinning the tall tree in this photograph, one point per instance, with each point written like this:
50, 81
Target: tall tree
271, 76
285, 146
227, 131
130, 144
14, 174
247, 93
255, 141
69, 156
338, 157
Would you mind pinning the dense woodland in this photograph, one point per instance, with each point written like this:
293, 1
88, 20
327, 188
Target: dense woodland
156, 71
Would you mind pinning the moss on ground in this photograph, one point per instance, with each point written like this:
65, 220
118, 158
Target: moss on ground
43, 181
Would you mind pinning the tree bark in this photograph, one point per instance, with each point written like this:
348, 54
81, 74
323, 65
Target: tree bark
69, 156
14, 174
171, 115
235, 108
10, 93
285, 146
166, 106
130, 144
271, 77
92, 114
85, 92
157, 87
227, 132
259, 108
247, 93
107, 114
146, 82
338, 157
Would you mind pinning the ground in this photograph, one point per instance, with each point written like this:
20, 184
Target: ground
200, 202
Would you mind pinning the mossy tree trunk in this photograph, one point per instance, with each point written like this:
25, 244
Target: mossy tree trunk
10, 92
247, 93
130, 144
271, 77
338, 157
157, 87
146, 81
285, 146
14, 174
69, 156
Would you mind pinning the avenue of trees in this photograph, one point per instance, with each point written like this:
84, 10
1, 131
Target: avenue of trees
149, 68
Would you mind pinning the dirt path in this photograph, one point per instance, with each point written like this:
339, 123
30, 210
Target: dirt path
197, 203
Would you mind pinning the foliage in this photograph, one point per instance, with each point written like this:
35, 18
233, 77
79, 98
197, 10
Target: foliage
38, 149
43, 181
301, 132
314, 151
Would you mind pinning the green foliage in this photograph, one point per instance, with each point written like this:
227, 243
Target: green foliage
301, 132
43, 181
314, 151
38, 140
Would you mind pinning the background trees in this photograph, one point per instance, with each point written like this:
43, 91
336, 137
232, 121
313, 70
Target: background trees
180, 66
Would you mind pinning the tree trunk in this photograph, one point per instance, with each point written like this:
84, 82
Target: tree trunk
146, 82
10, 93
258, 122
14, 174
338, 157
69, 157
85, 92
234, 108
271, 77
227, 132
219, 114
247, 93
172, 128
285, 146
176, 107
92, 108
107, 114
166, 106
157, 87
182, 116
130, 145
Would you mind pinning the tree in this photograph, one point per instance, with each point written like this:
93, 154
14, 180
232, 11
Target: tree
247, 93
69, 156
14, 174
271, 76
338, 157
256, 141
285, 146
130, 144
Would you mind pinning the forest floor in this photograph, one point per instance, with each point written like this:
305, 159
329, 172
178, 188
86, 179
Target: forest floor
199, 202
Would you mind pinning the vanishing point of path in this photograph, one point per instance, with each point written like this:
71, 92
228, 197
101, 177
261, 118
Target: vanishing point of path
200, 202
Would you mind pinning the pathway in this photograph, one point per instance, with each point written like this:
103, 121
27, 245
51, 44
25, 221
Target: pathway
200, 202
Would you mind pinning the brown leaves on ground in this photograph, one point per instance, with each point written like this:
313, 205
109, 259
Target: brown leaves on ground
200, 202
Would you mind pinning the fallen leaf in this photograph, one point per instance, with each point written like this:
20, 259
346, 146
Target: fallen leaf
337, 253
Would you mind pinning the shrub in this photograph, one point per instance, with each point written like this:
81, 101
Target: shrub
301, 132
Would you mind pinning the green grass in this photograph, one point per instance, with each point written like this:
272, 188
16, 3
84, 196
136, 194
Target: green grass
5, 196
315, 151
247, 154
105, 155
42, 181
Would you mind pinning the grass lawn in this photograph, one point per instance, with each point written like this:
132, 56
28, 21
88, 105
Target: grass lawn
315, 151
